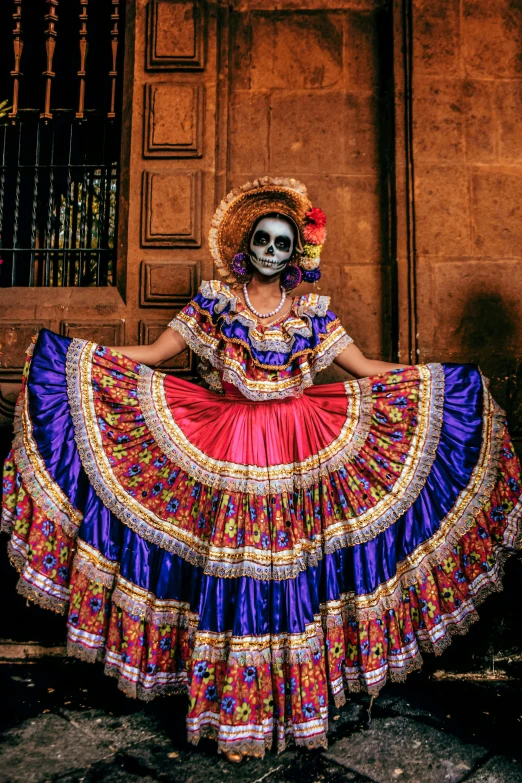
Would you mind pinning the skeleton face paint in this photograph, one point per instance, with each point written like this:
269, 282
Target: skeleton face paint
271, 245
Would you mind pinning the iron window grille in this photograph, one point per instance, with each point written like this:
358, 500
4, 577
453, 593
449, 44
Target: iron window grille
59, 167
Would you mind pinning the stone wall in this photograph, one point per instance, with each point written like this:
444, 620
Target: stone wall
467, 160
467, 151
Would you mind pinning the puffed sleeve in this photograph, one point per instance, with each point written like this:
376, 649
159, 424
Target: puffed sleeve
329, 337
196, 322
197, 329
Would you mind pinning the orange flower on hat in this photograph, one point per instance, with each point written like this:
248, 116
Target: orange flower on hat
315, 229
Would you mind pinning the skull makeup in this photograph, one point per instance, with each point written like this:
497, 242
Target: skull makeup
271, 245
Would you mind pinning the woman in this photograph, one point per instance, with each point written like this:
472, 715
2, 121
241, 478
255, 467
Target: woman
264, 542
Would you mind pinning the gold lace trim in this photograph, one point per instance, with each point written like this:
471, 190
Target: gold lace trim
94, 565
28, 589
257, 650
209, 347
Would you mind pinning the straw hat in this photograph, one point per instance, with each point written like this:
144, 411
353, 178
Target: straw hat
237, 214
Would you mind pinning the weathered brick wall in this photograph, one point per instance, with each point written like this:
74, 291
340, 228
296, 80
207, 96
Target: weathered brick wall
467, 145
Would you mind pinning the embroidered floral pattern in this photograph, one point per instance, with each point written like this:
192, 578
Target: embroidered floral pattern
39, 548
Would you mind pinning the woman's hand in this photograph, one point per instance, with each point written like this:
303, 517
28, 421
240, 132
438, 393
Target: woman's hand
168, 344
355, 362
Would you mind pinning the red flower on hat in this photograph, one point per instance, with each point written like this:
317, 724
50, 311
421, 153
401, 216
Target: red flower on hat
315, 228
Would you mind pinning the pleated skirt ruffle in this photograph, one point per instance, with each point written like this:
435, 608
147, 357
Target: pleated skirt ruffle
261, 557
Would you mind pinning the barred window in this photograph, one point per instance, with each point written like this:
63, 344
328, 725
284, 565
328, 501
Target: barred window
60, 76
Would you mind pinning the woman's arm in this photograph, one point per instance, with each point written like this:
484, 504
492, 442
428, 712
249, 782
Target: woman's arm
168, 344
355, 362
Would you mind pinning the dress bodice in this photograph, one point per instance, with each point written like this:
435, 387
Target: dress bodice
262, 361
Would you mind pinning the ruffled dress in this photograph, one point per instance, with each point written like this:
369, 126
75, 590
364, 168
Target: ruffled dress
263, 545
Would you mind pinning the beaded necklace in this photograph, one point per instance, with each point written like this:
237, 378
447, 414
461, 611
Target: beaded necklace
256, 312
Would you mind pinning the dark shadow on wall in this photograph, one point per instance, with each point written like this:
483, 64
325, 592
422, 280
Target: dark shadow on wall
488, 334
488, 324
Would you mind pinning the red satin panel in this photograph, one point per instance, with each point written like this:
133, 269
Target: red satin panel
233, 428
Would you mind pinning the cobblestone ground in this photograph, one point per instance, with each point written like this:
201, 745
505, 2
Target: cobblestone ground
64, 721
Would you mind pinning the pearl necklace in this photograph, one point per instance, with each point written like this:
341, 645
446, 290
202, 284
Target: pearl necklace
256, 312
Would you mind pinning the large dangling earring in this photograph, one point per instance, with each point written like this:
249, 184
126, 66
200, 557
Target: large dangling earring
291, 277
240, 264
311, 275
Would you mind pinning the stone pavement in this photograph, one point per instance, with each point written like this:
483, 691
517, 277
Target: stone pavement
62, 720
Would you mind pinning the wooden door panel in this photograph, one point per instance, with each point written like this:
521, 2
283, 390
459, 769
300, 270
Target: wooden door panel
173, 120
176, 35
106, 333
171, 208
182, 364
166, 284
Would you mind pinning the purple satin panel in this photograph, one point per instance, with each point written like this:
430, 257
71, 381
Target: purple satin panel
53, 432
252, 606
144, 564
101, 528
49, 410
158, 571
368, 565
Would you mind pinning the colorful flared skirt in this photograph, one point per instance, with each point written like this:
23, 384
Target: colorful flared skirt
261, 557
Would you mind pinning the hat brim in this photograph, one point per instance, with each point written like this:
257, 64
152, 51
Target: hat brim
242, 208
